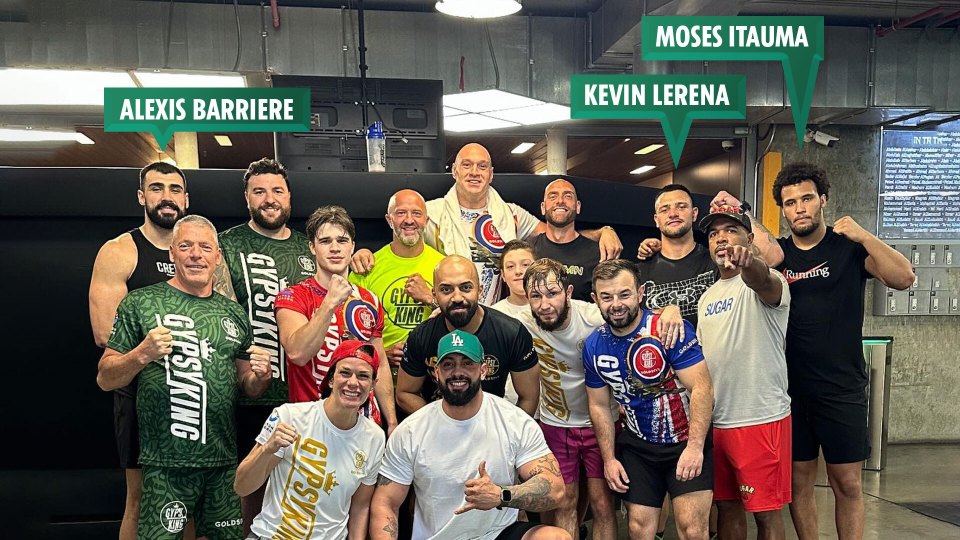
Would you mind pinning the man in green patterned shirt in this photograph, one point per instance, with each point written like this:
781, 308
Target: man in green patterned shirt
261, 258
190, 349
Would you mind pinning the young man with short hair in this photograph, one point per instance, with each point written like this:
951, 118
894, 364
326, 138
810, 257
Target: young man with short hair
315, 315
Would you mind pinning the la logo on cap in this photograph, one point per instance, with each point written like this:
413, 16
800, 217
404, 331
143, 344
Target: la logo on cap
457, 341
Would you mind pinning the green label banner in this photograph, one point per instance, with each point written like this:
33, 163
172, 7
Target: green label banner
675, 100
796, 42
164, 111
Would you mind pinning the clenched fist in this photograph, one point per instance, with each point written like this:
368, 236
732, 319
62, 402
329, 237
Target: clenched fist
416, 287
648, 248
283, 436
338, 291
157, 344
260, 362
846, 226
724, 199
395, 353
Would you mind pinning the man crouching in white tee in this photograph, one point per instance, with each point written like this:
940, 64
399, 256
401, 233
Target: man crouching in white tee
473, 458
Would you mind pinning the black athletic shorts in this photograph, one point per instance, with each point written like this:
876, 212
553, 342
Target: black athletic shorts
652, 469
838, 424
125, 430
516, 530
250, 420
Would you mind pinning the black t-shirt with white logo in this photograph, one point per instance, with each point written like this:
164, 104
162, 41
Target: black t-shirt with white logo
579, 257
825, 332
507, 346
680, 282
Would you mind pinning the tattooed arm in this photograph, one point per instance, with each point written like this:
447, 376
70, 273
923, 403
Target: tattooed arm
542, 487
222, 282
541, 490
387, 498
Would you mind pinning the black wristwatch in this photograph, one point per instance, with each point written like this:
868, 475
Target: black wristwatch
745, 206
505, 497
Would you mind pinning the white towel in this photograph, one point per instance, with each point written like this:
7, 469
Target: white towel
451, 239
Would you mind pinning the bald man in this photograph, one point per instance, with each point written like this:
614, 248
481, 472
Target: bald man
403, 280
507, 345
561, 242
472, 221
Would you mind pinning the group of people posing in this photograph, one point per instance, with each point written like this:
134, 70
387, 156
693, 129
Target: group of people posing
512, 371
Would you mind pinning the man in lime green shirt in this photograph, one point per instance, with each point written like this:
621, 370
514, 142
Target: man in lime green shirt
404, 282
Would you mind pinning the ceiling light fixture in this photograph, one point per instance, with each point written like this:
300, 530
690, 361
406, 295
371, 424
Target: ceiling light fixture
478, 9
85, 87
499, 109
649, 148
523, 147
223, 140
641, 170
167, 79
42, 135
474, 122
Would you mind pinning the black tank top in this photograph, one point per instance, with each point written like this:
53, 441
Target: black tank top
153, 264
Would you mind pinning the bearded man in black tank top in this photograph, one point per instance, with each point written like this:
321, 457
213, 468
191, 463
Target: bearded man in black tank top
133, 260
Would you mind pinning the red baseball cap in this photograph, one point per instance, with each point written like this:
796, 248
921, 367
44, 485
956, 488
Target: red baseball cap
362, 350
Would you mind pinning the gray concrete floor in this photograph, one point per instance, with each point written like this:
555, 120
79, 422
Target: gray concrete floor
913, 473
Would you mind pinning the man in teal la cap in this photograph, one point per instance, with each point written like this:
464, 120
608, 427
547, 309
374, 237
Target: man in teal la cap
474, 460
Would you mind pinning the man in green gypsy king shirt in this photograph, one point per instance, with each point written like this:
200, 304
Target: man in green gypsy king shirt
261, 258
191, 350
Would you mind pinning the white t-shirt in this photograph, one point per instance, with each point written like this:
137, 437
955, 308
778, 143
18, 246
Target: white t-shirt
437, 455
507, 308
563, 395
743, 342
486, 246
308, 493
513, 310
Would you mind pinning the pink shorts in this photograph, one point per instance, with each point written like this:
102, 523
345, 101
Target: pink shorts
573, 446
753, 464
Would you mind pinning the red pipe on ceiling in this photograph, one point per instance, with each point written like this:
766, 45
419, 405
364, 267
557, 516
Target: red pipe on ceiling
951, 17
903, 23
275, 10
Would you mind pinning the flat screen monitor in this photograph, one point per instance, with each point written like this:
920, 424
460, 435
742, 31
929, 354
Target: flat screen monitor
411, 111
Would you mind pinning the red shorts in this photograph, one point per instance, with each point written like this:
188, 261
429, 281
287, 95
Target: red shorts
753, 464
572, 446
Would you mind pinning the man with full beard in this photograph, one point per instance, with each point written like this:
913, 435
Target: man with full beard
827, 269
508, 345
403, 279
667, 398
133, 260
473, 459
559, 325
561, 241
261, 258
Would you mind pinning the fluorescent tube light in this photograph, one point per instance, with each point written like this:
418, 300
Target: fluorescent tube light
523, 147
42, 135
649, 148
474, 122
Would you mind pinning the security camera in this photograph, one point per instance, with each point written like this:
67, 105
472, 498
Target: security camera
727, 145
821, 138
